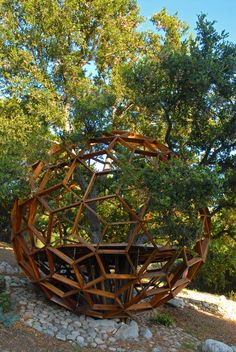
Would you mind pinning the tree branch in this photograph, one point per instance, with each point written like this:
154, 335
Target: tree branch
168, 131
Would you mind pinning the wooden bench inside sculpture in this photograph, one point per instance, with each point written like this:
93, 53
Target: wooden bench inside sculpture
78, 234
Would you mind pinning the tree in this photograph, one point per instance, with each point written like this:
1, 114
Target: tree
187, 95
47, 47
47, 93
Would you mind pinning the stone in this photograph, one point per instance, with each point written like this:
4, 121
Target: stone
63, 331
75, 334
49, 332
29, 322
176, 302
98, 341
112, 339
7, 268
61, 336
223, 298
80, 340
126, 332
206, 305
146, 333
92, 333
215, 346
104, 324
156, 349
37, 326
77, 324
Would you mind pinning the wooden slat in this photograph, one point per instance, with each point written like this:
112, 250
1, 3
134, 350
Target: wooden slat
100, 293
92, 154
52, 288
44, 180
65, 280
108, 307
61, 255
71, 293
84, 257
111, 251
193, 261
78, 275
140, 306
98, 199
49, 190
121, 276
94, 282
69, 172
73, 205
37, 234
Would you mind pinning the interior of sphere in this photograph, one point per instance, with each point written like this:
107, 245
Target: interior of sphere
87, 239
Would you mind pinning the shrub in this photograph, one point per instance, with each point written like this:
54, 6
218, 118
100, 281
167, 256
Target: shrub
5, 302
7, 312
163, 319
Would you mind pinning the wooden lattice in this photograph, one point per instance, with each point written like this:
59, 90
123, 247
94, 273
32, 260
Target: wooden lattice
86, 241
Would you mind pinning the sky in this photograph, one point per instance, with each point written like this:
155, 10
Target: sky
222, 11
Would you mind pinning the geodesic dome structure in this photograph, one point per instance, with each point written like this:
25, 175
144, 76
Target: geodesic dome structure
85, 238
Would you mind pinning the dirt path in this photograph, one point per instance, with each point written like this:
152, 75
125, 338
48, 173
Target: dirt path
7, 255
20, 338
203, 325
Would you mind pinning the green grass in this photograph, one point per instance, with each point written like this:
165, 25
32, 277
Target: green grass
164, 319
188, 346
77, 349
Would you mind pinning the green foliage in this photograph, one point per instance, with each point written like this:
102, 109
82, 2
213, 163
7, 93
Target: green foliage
77, 349
176, 191
188, 345
219, 272
185, 95
163, 319
8, 318
48, 46
5, 302
7, 313
232, 295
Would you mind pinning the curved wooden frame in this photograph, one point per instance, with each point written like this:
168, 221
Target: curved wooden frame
104, 279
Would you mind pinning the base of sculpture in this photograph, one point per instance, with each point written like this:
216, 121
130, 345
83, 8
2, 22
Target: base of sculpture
107, 281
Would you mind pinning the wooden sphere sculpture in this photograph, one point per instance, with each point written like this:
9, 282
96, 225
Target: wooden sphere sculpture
77, 235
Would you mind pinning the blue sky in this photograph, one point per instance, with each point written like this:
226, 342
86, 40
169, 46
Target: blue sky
224, 12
